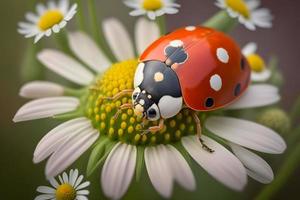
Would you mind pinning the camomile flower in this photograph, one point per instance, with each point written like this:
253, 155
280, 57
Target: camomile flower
152, 8
69, 187
119, 147
49, 18
247, 12
260, 71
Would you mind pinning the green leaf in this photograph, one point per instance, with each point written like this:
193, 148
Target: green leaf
97, 153
139, 163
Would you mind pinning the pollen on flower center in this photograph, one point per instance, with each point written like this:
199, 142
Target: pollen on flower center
49, 19
65, 192
256, 62
239, 6
152, 4
128, 126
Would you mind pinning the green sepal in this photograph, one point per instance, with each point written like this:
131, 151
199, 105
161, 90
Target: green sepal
69, 115
139, 163
99, 154
222, 22
96, 154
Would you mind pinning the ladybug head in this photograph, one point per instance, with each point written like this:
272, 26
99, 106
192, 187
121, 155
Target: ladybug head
144, 105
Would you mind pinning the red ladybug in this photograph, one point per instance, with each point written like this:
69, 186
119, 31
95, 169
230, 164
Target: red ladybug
193, 67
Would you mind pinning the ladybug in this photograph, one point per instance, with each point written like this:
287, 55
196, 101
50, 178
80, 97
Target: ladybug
193, 67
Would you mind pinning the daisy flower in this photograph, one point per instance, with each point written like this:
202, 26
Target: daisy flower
119, 146
49, 18
152, 8
247, 12
260, 72
68, 188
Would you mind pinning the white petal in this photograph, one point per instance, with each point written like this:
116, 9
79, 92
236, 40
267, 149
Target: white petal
118, 39
261, 76
45, 190
247, 134
63, 5
83, 192
146, 32
74, 177
256, 96
81, 197
118, 170
31, 17
71, 12
249, 48
65, 177
40, 8
46, 107
39, 89
65, 66
87, 50
257, 168
78, 181
221, 164
151, 15
53, 182
83, 185
70, 151
159, 171
57, 136
38, 37
44, 197
137, 12
181, 170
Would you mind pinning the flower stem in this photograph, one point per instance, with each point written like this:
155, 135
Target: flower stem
80, 16
222, 22
289, 165
97, 31
62, 42
161, 22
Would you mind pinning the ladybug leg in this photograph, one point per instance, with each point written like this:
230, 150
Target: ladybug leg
198, 127
154, 129
116, 96
122, 107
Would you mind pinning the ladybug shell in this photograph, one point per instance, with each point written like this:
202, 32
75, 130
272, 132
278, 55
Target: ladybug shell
214, 72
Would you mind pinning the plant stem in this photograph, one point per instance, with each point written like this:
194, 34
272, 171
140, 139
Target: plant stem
161, 22
289, 165
62, 42
80, 16
97, 31
222, 22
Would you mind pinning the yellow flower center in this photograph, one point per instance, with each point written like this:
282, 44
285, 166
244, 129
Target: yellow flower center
256, 62
49, 19
127, 127
239, 6
152, 4
65, 192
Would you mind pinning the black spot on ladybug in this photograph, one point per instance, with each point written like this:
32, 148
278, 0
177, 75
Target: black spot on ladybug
243, 63
237, 89
209, 102
176, 54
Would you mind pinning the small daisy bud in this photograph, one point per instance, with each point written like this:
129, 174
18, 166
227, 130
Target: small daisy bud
275, 119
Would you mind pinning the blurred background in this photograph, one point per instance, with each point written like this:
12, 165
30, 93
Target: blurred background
20, 177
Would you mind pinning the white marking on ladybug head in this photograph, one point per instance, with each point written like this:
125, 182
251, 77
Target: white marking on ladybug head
139, 75
153, 113
190, 28
142, 102
215, 82
176, 43
169, 106
158, 77
222, 55
138, 110
144, 91
149, 96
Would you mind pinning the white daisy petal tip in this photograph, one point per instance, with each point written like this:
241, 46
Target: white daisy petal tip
246, 133
40, 89
45, 107
257, 168
221, 164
